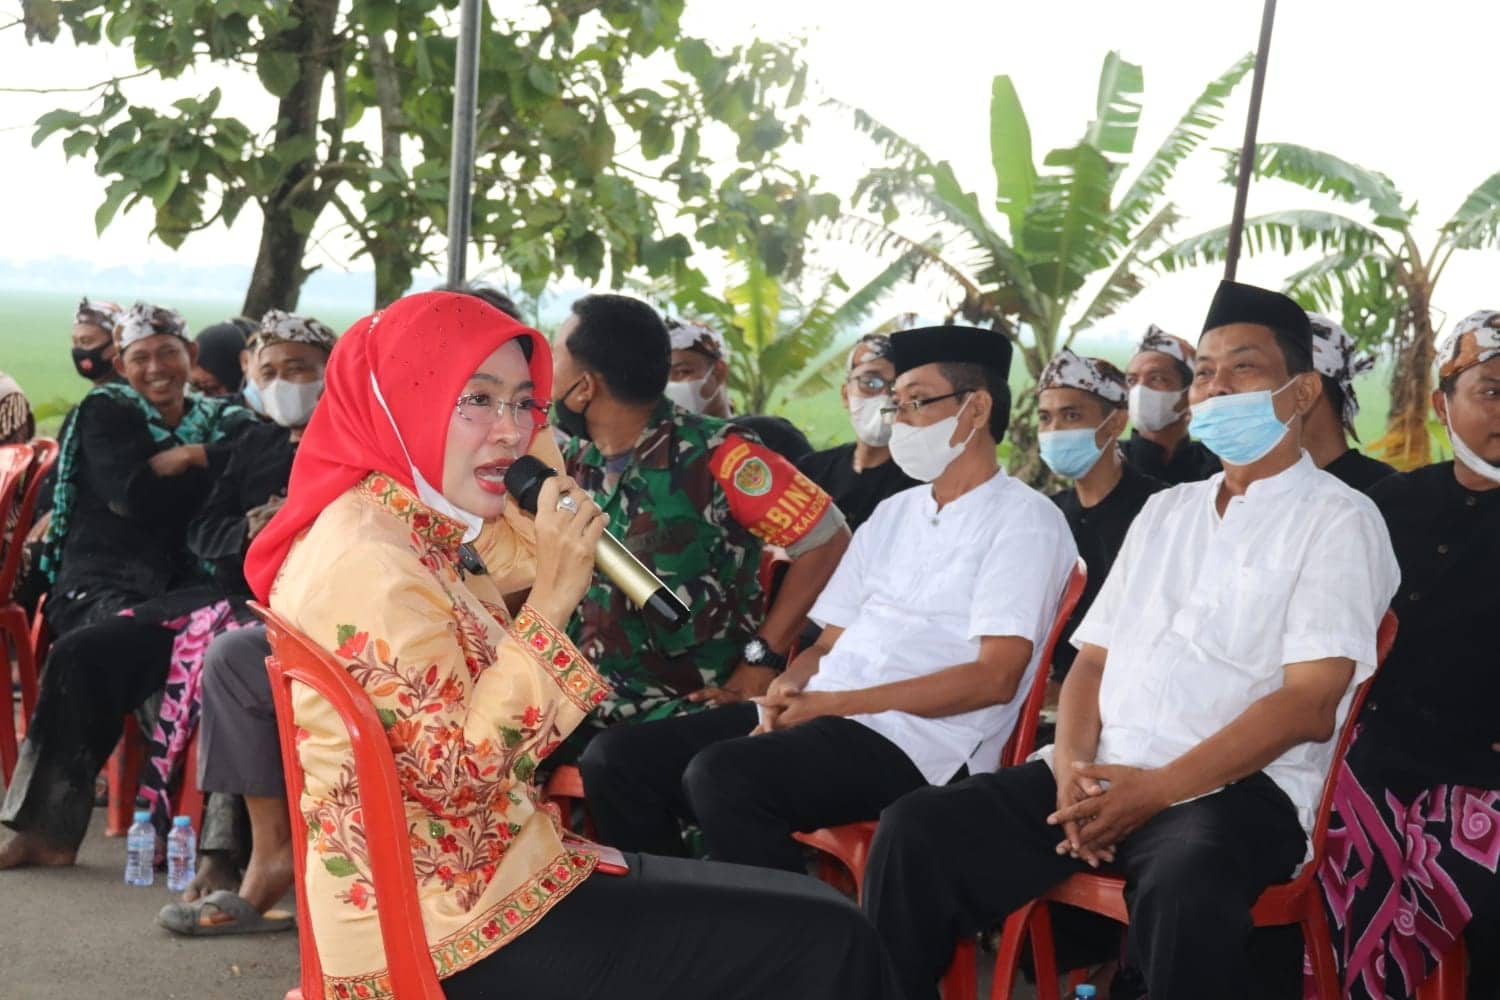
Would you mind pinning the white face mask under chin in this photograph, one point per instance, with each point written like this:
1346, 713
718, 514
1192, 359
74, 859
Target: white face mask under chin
473, 523
1469, 457
924, 452
869, 424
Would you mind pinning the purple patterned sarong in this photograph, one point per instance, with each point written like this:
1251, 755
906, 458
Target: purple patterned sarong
1402, 875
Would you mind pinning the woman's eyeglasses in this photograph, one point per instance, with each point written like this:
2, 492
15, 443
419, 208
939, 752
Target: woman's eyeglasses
484, 409
914, 406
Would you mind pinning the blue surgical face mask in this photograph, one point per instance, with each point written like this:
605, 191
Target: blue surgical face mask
1241, 428
252, 396
1070, 453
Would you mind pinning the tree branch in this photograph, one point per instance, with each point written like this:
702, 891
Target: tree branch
78, 90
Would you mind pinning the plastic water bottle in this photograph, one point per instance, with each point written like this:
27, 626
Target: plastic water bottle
1084, 991
182, 854
140, 851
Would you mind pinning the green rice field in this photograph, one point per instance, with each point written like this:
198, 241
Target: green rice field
34, 346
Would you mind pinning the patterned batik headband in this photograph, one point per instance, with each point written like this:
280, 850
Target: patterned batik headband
1157, 339
104, 315
1067, 370
1475, 340
1333, 356
145, 320
278, 326
696, 337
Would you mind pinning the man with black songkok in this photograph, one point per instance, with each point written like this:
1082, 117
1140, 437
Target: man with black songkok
1080, 414
932, 624
1330, 425
1195, 726
1158, 379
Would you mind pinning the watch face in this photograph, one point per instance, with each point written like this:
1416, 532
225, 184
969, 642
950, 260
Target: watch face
755, 651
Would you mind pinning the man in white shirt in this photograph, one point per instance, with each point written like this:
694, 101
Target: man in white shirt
933, 624
1195, 727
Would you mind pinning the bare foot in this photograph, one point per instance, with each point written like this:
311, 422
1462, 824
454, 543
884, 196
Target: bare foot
215, 872
268, 877
28, 849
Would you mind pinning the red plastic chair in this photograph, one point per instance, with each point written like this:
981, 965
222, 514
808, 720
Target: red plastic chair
23, 635
1449, 981
15, 461
123, 776
1296, 902
296, 658
850, 843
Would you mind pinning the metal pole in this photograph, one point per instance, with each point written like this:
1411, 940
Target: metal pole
1247, 151
461, 176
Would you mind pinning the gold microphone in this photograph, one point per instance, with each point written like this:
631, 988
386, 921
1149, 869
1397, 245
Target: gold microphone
523, 481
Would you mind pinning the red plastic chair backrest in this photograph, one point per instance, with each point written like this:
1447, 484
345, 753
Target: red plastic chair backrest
1023, 738
1385, 638
296, 658
41, 455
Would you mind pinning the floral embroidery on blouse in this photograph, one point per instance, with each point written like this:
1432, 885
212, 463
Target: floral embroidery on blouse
471, 702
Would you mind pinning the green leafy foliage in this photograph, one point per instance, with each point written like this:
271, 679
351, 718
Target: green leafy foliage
1074, 240
578, 164
1371, 273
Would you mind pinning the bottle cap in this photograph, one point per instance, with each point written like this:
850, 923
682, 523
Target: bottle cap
142, 815
1084, 992
182, 821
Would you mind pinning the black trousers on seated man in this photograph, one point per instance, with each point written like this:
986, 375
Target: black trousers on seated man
951, 861
748, 794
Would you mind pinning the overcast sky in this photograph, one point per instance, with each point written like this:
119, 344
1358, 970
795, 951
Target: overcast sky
1410, 89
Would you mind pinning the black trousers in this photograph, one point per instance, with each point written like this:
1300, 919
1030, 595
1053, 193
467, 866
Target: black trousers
674, 929
747, 793
950, 861
94, 676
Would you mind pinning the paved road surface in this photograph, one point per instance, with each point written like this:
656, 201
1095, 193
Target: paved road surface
83, 934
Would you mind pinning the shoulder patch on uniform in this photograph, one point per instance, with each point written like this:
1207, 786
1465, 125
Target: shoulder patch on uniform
753, 477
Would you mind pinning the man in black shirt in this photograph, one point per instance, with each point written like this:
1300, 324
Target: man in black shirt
1158, 379
1327, 429
1080, 414
238, 751
1425, 767
860, 474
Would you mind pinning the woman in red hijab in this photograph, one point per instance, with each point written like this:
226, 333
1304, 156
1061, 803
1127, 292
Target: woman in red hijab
396, 499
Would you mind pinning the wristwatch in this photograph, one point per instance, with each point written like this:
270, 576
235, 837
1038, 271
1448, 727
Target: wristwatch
758, 653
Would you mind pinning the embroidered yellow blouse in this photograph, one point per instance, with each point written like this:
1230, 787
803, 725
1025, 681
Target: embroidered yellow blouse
471, 702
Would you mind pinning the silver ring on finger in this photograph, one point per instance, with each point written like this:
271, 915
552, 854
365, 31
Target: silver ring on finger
567, 503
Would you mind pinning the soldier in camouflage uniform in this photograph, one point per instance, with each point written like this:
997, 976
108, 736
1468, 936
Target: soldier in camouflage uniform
697, 501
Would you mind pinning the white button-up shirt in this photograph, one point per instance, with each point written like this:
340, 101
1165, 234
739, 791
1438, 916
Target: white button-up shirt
919, 587
1201, 614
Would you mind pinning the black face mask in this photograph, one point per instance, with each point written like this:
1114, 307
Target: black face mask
91, 362
568, 420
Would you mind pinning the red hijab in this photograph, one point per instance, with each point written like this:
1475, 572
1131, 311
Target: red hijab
422, 350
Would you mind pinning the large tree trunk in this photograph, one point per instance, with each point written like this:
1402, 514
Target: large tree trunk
1406, 443
291, 209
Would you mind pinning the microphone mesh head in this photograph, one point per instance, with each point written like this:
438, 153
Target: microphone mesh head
524, 479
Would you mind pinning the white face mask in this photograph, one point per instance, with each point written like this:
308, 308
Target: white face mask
869, 424
291, 404
431, 497
1154, 409
688, 394
1463, 453
924, 452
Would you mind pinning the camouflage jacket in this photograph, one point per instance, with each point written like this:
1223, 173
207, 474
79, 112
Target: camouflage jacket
697, 502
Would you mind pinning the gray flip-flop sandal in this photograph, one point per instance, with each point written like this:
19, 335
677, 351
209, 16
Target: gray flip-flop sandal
187, 918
